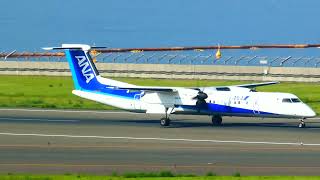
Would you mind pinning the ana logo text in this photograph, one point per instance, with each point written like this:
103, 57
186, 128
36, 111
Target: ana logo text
86, 70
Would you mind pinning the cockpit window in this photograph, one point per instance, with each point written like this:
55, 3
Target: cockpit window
286, 100
295, 100
291, 100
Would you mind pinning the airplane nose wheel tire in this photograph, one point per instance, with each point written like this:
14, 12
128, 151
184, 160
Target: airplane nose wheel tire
165, 122
216, 120
302, 124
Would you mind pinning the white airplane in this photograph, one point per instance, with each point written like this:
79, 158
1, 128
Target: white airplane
217, 102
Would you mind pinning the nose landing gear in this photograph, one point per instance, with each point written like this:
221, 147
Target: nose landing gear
302, 124
166, 121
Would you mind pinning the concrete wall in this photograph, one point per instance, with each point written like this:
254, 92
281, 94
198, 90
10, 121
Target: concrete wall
254, 73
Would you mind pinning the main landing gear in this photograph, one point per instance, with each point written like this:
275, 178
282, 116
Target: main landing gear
216, 120
302, 124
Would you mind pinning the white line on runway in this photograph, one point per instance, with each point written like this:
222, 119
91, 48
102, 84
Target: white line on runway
68, 111
44, 120
163, 139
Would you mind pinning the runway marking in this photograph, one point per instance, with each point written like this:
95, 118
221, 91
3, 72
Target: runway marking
164, 139
139, 146
44, 120
69, 111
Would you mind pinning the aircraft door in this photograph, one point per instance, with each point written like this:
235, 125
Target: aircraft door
255, 107
227, 103
137, 101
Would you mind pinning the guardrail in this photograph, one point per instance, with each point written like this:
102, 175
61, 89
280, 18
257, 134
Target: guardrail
174, 71
171, 58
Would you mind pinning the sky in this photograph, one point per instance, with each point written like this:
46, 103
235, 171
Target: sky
29, 25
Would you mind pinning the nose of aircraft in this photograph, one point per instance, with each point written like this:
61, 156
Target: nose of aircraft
309, 112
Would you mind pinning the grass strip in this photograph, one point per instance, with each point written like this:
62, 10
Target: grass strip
96, 177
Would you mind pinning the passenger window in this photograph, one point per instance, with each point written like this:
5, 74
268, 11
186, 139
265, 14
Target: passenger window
223, 89
286, 100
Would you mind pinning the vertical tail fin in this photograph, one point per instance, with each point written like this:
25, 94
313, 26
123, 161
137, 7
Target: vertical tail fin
84, 72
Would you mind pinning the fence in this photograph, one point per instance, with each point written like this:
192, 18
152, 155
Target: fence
195, 58
174, 71
194, 65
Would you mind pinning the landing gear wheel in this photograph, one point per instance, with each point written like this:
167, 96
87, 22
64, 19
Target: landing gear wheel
216, 120
165, 122
302, 124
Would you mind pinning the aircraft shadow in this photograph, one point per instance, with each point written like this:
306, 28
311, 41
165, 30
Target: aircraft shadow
177, 123
174, 124
192, 124
309, 125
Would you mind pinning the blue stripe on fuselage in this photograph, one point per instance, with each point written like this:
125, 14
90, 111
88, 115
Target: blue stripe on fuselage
217, 108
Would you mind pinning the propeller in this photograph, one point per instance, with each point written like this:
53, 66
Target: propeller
201, 100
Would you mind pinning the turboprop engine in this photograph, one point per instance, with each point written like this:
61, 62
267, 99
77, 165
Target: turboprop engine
201, 100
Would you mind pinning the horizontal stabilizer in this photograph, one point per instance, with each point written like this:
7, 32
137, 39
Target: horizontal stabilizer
74, 46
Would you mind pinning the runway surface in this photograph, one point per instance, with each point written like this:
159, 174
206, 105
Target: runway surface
49, 141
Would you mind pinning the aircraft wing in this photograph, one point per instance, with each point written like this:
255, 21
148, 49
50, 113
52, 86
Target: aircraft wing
254, 85
249, 86
173, 89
